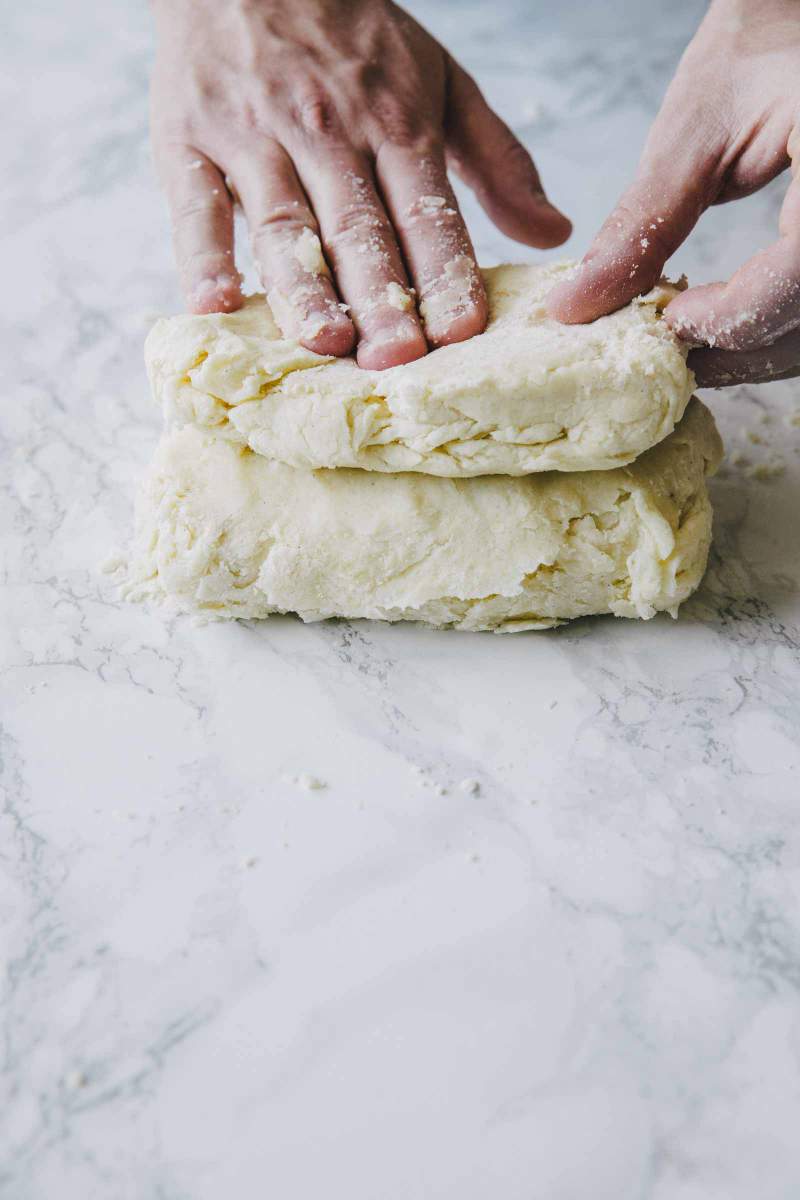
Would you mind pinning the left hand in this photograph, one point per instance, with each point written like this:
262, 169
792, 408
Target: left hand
333, 122
730, 122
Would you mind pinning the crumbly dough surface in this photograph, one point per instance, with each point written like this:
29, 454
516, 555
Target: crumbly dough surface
527, 395
226, 532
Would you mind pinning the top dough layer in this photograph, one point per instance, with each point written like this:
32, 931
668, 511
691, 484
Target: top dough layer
527, 395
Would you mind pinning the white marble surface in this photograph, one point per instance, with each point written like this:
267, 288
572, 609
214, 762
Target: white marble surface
579, 984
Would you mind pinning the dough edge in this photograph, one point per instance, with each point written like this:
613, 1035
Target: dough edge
566, 398
495, 554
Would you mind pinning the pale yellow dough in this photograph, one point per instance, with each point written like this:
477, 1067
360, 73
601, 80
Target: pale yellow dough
527, 395
229, 533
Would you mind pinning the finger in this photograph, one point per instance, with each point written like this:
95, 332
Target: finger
678, 178
202, 229
759, 304
363, 251
434, 241
287, 249
484, 152
723, 368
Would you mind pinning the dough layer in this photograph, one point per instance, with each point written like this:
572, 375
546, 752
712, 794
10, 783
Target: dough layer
527, 395
229, 533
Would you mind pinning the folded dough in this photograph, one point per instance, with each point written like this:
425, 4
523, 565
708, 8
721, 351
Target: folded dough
529, 394
224, 531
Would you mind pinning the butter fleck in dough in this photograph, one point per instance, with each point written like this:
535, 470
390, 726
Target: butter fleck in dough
527, 395
226, 532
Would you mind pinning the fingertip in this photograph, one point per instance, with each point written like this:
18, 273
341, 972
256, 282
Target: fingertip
391, 348
534, 223
600, 286
559, 231
336, 336
549, 226
690, 316
463, 325
570, 304
454, 305
220, 294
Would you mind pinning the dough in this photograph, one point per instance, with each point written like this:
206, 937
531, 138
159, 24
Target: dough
529, 394
224, 531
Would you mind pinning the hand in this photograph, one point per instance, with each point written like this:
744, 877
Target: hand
333, 119
730, 122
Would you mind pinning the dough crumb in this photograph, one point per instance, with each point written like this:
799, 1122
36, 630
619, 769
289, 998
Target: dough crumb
766, 471
471, 787
308, 252
398, 297
308, 783
424, 779
114, 562
447, 296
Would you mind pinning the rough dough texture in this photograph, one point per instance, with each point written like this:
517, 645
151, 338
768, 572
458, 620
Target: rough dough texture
529, 394
224, 531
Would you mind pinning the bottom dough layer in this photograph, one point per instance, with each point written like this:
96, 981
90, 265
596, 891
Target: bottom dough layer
225, 532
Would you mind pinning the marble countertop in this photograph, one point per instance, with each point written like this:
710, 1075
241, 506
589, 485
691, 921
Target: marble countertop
579, 979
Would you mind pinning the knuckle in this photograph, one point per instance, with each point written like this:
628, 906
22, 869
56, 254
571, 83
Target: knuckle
316, 113
359, 220
365, 76
209, 207
172, 131
252, 120
516, 159
169, 148
633, 222
400, 124
283, 219
438, 211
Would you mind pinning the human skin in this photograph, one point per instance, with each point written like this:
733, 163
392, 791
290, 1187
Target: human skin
730, 122
338, 117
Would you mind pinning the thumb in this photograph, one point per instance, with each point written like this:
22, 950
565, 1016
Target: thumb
651, 220
760, 303
484, 152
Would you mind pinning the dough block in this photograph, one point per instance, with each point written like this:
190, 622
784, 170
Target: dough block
527, 395
226, 532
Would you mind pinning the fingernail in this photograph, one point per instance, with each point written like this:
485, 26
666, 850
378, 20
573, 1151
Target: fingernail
390, 347
219, 293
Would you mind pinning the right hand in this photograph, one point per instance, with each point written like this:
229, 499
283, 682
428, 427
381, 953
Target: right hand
730, 122
334, 119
